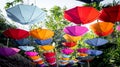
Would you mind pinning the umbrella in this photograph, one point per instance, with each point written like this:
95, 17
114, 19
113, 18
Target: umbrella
94, 52
41, 34
90, 1
110, 14
81, 14
87, 58
67, 51
26, 14
34, 57
40, 62
43, 42
83, 54
82, 50
65, 56
16, 34
51, 60
96, 42
5, 51
22, 42
118, 28
102, 28
75, 30
31, 53
69, 44
16, 49
70, 38
27, 48
47, 47
49, 54
66, 59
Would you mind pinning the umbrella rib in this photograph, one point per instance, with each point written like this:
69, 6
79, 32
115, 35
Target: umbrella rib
32, 13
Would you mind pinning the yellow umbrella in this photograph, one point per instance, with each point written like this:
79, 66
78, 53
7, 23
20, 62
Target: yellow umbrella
70, 38
47, 47
41, 34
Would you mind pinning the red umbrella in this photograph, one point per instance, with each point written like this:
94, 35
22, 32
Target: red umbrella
51, 60
16, 34
49, 54
81, 15
110, 14
69, 44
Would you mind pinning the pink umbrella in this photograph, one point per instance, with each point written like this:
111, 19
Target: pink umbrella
118, 28
31, 53
75, 30
82, 50
67, 51
16, 49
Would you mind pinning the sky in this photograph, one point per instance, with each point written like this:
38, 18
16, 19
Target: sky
49, 4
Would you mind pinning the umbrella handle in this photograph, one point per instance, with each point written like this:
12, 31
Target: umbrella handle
88, 63
7, 42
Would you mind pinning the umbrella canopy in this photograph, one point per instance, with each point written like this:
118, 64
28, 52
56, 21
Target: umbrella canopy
94, 52
34, 57
47, 47
16, 49
102, 28
43, 42
90, 1
49, 54
75, 30
83, 54
65, 56
110, 14
26, 14
69, 44
81, 14
82, 50
96, 41
27, 48
5, 51
51, 60
70, 38
67, 51
22, 42
31, 53
118, 28
42, 34
16, 34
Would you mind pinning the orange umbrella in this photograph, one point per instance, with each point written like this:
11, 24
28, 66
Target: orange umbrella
41, 34
102, 28
70, 38
47, 47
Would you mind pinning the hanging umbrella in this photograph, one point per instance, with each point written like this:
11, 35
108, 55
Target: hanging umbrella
67, 51
70, 38
42, 34
49, 54
110, 14
51, 60
43, 42
16, 34
102, 28
16, 49
90, 1
31, 53
65, 56
118, 28
75, 30
96, 42
94, 52
69, 44
34, 57
82, 50
47, 47
27, 48
5, 51
81, 14
26, 14
22, 42
83, 54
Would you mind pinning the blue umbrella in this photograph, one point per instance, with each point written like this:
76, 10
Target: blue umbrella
90, 1
26, 14
43, 42
22, 42
94, 52
27, 48
96, 41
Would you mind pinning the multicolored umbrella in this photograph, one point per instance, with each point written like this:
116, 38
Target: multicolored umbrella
81, 14
43, 42
90, 1
67, 51
75, 30
94, 52
102, 28
96, 42
27, 48
26, 14
16, 34
69, 44
110, 14
118, 28
5, 51
70, 38
42, 34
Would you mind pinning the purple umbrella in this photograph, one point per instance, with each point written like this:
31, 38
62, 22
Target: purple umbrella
94, 52
4, 51
75, 30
